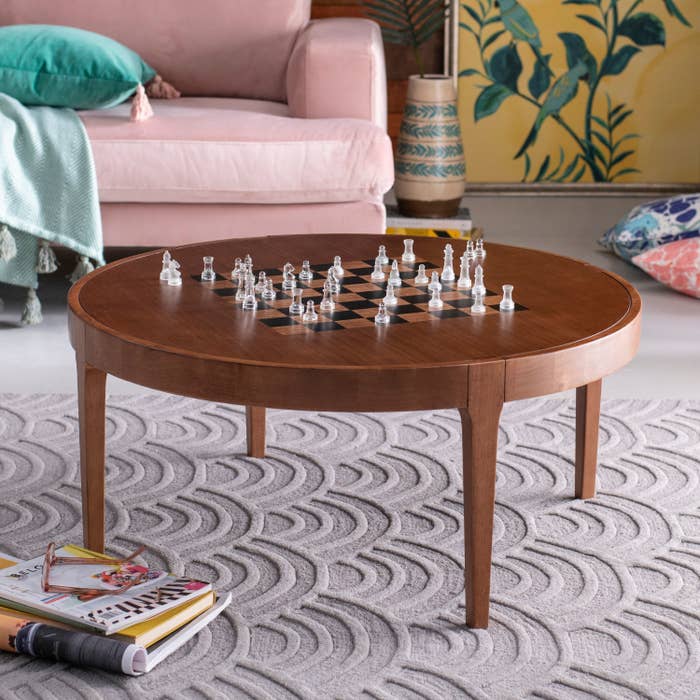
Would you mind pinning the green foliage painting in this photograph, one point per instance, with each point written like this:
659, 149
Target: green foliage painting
600, 146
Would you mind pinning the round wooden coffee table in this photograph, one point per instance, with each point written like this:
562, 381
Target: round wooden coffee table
574, 324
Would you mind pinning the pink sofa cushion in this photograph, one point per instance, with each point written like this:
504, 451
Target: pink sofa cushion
236, 151
676, 265
229, 48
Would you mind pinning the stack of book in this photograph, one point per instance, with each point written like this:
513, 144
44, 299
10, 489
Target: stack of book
459, 226
129, 632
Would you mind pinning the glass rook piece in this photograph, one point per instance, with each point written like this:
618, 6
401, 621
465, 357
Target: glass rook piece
408, 255
250, 303
382, 317
208, 274
310, 314
165, 270
296, 307
507, 303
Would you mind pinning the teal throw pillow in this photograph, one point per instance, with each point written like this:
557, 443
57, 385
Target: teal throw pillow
67, 67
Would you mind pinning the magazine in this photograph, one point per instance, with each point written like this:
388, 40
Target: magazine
21, 584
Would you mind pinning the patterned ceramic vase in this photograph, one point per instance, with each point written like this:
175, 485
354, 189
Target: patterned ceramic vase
430, 160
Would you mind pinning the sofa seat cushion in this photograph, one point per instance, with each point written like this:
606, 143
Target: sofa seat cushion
224, 150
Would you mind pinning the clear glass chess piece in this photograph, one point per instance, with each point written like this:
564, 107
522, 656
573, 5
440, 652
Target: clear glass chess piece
464, 281
434, 282
262, 279
288, 280
248, 261
327, 303
306, 275
165, 269
338, 266
408, 255
421, 277
435, 301
448, 272
480, 252
174, 274
478, 305
296, 307
208, 274
390, 299
310, 314
333, 281
479, 280
269, 293
377, 274
382, 317
394, 275
507, 303
250, 303
470, 251
237, 268
382, 256
240, 288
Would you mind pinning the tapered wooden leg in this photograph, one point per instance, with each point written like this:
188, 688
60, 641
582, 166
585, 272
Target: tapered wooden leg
255, 430
91, 414
479, 446
587, 420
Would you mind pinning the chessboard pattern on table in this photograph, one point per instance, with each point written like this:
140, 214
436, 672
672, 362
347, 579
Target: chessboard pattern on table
358, 301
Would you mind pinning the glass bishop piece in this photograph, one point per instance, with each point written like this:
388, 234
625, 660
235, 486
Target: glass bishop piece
408, 254
390, 299
250, 303
305, 274
382, 317
338, 266
394, 276
434, 282
421, 277
310, 314
478, 306
208, 274
269, 293
507, 303
296, 307
165, 270
174, 274
435, 301
448, 272
479, 280
464, 281
288, 281
382, 256
377, 274
327, 303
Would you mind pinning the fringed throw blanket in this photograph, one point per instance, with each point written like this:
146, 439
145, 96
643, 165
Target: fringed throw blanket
48, 194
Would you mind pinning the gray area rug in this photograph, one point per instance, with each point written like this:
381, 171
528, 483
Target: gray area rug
343, 549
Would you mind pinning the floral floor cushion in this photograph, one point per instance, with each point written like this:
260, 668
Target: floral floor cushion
676, 265
654, 224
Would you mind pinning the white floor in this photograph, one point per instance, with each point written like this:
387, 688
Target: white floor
40, 359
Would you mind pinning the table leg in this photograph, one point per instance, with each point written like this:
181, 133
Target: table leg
91, 417
587, 420
255, 430
479, 447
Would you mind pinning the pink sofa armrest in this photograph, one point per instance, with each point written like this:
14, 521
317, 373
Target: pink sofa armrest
337, 70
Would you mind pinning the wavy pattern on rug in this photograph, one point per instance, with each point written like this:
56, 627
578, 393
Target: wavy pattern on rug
343, 549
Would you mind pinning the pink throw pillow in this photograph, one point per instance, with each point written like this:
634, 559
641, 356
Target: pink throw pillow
676, 265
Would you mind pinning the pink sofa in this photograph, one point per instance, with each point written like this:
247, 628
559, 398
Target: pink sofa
281, 127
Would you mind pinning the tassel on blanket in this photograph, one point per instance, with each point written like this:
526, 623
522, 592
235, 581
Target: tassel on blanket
159, 89
8, 247
31, 315
46, 261
84, 267
140, 107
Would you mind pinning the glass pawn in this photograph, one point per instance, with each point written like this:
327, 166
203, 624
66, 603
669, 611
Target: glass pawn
479, 280
382, 256
434, 282
174, 274
288, 281
262, 279
338, 266
435, 301
165, 270
296, 307
394, 276
421, 278
327, 303
208, 274
448, 272
408, 255
310, 314
478, 305
377, 274
306, 275
507, 303
250, 303
464, 281
382, 317
390, 299
269, 293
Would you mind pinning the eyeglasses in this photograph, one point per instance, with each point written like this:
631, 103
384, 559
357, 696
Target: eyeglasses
86, 593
